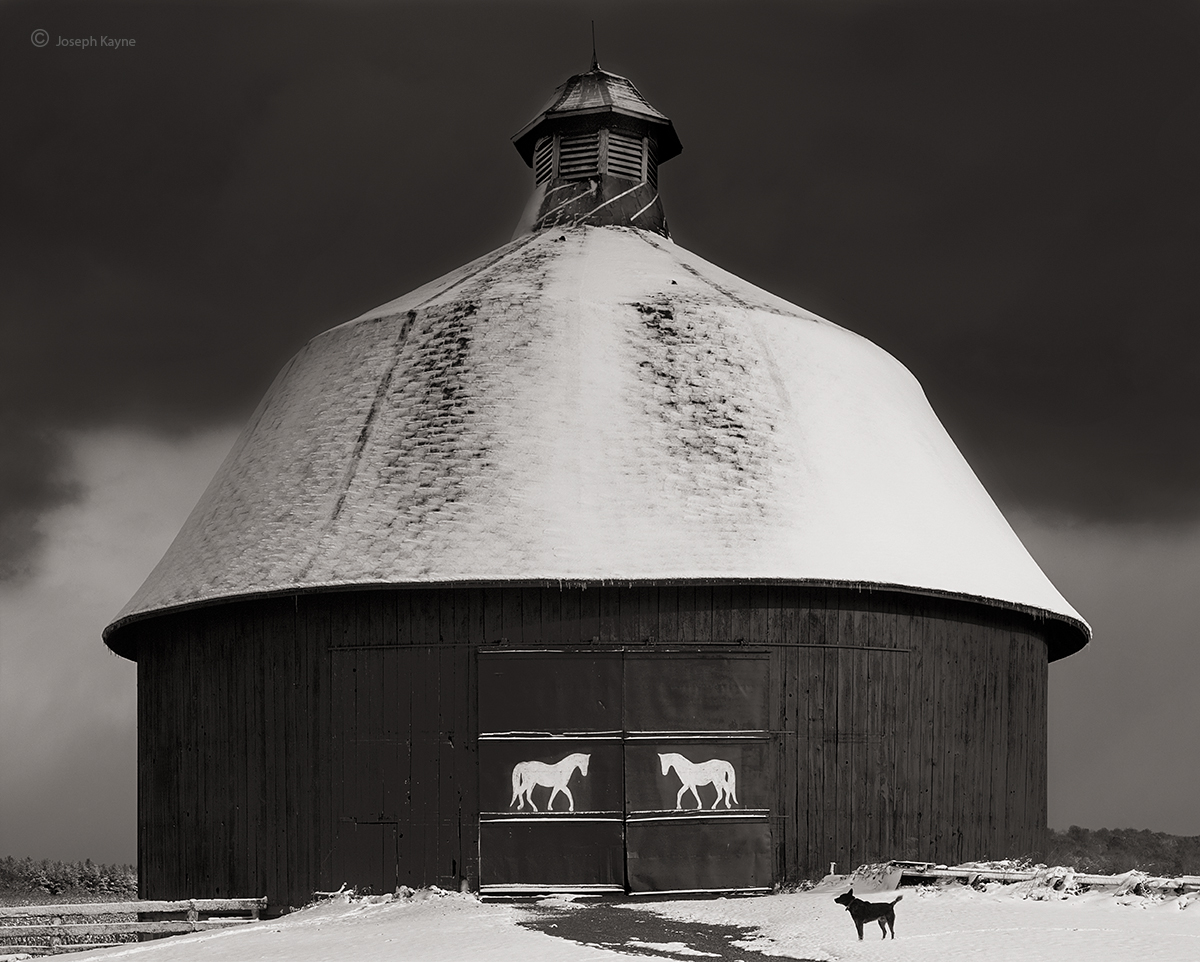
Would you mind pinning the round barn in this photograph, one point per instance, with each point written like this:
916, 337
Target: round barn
588, 566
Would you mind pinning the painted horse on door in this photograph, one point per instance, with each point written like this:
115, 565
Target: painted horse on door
526, 776
715, 772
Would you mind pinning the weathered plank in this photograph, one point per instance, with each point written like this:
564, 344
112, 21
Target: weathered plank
589, 614
609, 614
249, 905
76, 929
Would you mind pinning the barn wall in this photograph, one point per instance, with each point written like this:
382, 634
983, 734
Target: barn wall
290, 745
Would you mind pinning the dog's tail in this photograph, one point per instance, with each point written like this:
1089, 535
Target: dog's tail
895, 900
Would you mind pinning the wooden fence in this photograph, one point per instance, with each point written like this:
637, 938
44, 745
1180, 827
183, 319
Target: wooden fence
149, 919
910, 873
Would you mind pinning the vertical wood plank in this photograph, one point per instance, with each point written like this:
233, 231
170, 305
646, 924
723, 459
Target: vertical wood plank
448, 696
702, 613
324, 697
493, 614
882, 668
722, 614
758, 614
1039, 739
425, 735
648, 613
922, 771
308, 708
512, 615
276, 640
783, 814
589, 614
786, 605
957, 636
821, 731
531, 616
627, 625
469, 759
668, 615
459, 727
833, 749
299, 838
906, 735
412, 846
847, 663
553, 631
739, 613
610, 614
685, 617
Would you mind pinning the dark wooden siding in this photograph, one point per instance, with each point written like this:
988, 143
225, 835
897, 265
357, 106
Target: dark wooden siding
290, 745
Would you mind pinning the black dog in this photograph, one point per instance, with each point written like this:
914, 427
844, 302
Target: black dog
882, 912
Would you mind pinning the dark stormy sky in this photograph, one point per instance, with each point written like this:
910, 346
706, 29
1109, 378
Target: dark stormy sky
1003, 194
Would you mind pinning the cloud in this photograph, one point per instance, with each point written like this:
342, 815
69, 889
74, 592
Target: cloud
67, 704
31, 483
1121, 710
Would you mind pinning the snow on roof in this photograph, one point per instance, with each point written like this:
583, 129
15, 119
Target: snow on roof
594, 404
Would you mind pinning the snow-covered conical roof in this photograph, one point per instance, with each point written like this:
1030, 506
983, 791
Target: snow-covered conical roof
595, 404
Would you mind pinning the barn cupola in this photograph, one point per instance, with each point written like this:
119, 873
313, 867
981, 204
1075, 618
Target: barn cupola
595, 150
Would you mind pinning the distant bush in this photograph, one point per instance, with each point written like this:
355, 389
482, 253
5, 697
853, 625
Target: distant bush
26, 879
1105, 851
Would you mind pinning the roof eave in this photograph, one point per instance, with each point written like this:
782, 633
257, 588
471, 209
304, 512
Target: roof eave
1065, 634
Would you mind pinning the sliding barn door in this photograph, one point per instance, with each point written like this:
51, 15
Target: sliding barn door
550, 772
624, 771
698, 784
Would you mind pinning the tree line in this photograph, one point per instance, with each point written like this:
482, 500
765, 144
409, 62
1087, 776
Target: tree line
27, 878
1112, 851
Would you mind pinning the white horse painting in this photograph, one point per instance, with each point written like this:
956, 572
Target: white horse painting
526, 776
715, 772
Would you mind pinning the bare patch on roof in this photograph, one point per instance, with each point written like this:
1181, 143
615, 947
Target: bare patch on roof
700, 374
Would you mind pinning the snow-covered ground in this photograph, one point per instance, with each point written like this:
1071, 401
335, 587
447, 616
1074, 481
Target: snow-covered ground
998, 922
1002, 922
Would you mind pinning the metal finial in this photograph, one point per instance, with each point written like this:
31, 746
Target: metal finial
595, 62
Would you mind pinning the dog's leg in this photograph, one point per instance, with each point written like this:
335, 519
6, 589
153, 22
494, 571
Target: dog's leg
858, 925
883, 928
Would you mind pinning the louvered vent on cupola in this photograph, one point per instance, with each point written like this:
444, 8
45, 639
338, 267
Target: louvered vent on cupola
626, 155
543, 160
578, 156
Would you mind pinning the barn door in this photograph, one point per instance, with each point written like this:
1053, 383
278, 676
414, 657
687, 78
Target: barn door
697, 778
550, 772
614, 771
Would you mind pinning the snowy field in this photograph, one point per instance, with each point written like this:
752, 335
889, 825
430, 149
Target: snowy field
998, 922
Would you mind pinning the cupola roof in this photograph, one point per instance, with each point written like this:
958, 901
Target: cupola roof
598, 92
